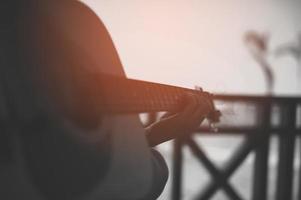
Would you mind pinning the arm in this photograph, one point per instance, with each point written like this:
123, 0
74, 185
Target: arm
179, 124
59, 162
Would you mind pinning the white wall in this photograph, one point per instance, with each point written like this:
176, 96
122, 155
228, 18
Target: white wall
199, 42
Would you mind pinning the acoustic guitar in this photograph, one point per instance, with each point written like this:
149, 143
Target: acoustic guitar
74, 48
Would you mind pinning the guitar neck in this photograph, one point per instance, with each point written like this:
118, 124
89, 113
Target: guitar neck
121, 95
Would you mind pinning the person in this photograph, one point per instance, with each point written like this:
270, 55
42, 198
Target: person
63, 148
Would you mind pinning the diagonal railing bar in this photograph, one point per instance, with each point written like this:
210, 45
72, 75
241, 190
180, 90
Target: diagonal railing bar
240, 154
238, 157
217, 176
257, 138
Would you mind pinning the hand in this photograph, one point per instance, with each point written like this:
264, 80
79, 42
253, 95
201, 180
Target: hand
195, 110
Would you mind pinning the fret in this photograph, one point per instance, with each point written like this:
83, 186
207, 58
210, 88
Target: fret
148, 98
169, 97
166, 96
157, 99
166, 101
159, 96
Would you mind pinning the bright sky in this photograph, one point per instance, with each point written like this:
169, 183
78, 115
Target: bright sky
199, 42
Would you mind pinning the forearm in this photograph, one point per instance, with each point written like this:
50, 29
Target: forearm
156, 135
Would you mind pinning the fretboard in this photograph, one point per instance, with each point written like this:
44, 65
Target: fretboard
121, 95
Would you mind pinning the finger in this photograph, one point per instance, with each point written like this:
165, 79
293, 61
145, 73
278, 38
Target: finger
198, 116
196, 123
197, 107
191, 102
199, 112
203, 108
167, 115
206, 103
194, 119
193, 125
210, 101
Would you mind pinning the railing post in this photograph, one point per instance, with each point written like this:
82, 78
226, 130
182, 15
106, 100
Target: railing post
177, 170
286, 153
261, 152
299, 187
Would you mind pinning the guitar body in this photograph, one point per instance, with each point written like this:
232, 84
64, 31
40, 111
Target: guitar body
127, 171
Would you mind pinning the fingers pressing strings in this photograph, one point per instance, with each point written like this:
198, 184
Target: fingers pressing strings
196, 109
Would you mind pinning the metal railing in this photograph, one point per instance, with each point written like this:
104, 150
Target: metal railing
286, 112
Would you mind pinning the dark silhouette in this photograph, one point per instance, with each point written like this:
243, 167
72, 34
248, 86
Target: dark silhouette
59, 145
258, 47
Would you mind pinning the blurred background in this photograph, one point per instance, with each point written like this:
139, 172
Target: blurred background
245, 47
